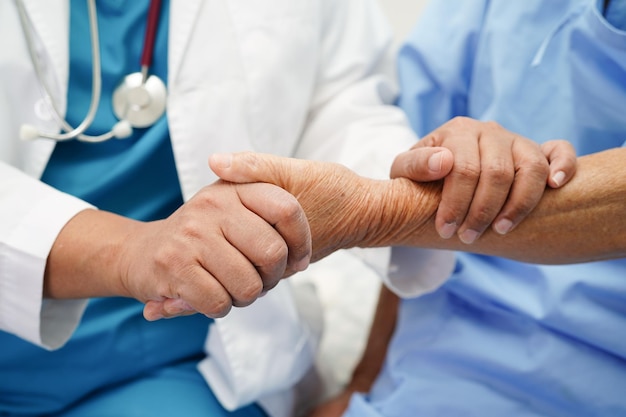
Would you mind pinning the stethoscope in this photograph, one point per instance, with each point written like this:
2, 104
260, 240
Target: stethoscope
139, 100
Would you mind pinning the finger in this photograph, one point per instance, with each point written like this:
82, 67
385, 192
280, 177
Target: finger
496, 177
232, 265
244, 167
168, 308
423, 164
203, 292
459, 186
281, 210
561, 156
153, 310
530, 183
260, 244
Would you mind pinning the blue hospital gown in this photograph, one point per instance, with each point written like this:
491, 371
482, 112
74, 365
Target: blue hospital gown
505, 338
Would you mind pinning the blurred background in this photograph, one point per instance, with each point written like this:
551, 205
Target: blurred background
402, 14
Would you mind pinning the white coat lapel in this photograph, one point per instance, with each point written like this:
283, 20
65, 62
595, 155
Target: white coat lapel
183, 17
50, 25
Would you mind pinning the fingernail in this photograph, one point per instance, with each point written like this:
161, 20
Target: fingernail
558, 178
435, 161
503, 226
469, 236
221, 160
448, 230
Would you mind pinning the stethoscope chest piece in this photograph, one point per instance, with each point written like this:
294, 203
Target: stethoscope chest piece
140, 103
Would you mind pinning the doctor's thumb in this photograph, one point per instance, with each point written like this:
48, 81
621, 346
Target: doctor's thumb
423, 164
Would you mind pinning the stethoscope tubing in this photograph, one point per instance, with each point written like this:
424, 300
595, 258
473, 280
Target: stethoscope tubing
124, 127
96, 83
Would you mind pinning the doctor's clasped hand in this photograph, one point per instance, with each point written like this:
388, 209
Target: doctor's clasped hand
223, 248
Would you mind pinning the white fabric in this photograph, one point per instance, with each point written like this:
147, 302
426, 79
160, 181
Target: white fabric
227, 60
24, 247
242, 347
413, 273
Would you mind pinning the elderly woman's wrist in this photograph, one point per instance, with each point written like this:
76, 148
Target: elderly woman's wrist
403, 212
346, 221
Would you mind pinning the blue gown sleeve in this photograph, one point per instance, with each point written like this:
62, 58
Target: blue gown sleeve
434, 71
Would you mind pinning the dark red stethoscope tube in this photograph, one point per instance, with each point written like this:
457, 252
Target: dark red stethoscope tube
151, 27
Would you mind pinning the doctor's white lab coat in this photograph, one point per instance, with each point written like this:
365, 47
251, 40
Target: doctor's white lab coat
304, 78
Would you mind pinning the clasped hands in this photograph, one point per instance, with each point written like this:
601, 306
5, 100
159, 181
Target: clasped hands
489, 177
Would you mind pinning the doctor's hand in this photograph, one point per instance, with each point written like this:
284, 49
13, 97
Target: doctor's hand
225, 247
497, 177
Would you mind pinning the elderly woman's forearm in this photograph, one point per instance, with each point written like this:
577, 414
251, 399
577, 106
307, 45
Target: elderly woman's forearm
582, 221
578, 223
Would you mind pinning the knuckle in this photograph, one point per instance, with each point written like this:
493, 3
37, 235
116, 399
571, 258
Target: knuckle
518, 207
248, 158
453, 209
498, 172
432, 139
249, 293
562, 143
454, 217
206, 198
538, 166
570, 162
189, 228
275, 252
548, 146
166, 257
558, 146
289, 208
461, 121
220, 306
480, 217
252, 161
521, 208
467, 170
412, 168
492, 125
457, 124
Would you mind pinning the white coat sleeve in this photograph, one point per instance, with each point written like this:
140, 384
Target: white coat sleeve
32, 216
354, 122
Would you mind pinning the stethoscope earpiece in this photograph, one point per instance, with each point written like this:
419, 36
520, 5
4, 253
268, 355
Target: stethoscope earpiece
28, 132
